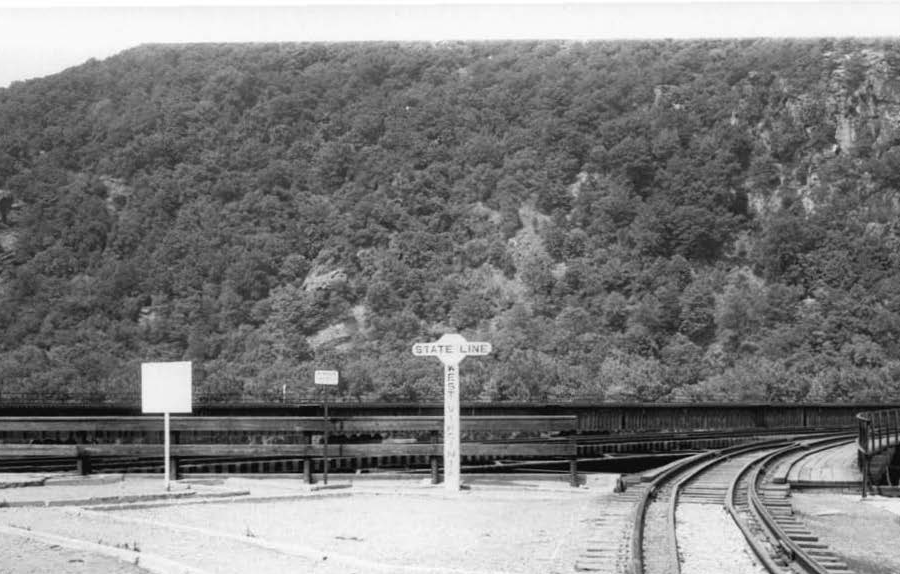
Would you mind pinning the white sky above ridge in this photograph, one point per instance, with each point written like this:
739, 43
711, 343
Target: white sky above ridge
42, 37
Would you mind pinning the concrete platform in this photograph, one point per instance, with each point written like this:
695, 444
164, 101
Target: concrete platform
18, 480
830, 468
104, 489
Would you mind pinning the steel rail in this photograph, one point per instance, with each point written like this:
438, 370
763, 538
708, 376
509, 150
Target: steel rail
794, 551
755, 543
823, 444
703, 460
640, 511
691, 474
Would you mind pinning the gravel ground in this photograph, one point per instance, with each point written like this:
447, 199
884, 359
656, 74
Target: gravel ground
23, 556
702, 527
468, 532
521, 529
863, 532
206, 553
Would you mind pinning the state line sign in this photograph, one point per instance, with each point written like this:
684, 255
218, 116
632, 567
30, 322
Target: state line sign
451, 349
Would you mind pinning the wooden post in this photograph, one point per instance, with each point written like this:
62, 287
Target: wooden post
433, 461
83, 463
307, 463
865, 481
435, 472
573, 471
307, 471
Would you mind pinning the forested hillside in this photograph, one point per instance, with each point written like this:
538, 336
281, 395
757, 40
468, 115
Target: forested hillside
622, 221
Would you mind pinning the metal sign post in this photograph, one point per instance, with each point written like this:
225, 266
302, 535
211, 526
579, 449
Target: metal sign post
329, 379
166, 388
167, 449
451, 349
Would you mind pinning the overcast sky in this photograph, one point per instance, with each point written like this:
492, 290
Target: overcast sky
37, 39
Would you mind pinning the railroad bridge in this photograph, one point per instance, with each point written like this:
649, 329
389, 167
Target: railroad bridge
365, 436
745, 459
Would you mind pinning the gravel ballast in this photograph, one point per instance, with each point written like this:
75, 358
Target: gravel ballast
709, 542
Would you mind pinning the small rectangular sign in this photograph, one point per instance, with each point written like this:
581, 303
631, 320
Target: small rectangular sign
166, 387
326, 377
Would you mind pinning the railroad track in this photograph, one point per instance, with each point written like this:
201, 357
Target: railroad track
694, 505
606, 548
702, 480
766, 509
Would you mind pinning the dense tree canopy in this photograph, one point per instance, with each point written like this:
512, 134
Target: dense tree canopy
698, 220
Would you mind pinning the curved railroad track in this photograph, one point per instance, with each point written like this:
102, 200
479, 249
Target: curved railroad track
767, 509
669, 534
687, 516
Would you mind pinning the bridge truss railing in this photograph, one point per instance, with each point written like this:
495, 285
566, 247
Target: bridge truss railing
877, 431
298, 438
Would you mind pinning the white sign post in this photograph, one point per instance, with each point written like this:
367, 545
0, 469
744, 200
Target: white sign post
329, 379
451, 349
166, 388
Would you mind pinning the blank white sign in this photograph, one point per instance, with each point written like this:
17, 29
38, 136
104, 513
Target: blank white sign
326, 378
166, 387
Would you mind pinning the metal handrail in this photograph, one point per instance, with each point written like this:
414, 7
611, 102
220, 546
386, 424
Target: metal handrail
877, 430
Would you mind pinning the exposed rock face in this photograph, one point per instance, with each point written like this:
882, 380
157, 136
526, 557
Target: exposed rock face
8, 240
319, 278
845, 134
117, 192
339, 331
860, 103
329, 335
866, 100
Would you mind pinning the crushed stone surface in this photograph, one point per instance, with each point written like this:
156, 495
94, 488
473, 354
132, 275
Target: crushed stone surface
23, 556
524, 528
862, 532
709, 542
